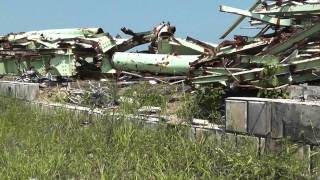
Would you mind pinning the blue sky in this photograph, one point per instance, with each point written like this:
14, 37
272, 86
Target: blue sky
197, 18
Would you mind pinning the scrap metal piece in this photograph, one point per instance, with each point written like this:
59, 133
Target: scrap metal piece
153, 63
239, 20
179, 46
257, 16
229, 50
295, 38
298, 69
289, 10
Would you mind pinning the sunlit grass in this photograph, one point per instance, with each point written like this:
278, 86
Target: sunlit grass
59, 145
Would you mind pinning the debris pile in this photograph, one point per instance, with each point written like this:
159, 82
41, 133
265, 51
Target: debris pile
96, 96
285, 51
89, 52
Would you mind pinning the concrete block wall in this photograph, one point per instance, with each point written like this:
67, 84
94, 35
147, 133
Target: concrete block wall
274, 118
304, 91
20, 90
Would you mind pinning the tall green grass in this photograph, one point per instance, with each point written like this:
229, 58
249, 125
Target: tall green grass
58, 145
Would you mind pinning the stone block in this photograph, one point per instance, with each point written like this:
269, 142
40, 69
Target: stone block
33, 92
229, 140
219, 136
259, 118
315, 161
295, 91
21, 90
262, 146
282, 113
46, 108
151, 125
304, 91
297, 121
309, 124
303, 154
273, 145
213, 136
8, 89
248, 143
236, 116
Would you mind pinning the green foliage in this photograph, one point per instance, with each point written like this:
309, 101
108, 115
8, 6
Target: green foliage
269, 79
268, 76
189, 108
145, 95
58, 97
204, 104
210, 100
274, 94
57, 145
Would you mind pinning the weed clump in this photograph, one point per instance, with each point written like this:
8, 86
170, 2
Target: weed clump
206, 103
145, 94
274, 94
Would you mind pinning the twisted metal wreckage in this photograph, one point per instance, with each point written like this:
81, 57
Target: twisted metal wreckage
71, 52
285, 51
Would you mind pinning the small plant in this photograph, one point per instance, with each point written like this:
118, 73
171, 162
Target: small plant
268, 76
205, 103
189, 108
145, 95
269, 79
274, 94
210, 101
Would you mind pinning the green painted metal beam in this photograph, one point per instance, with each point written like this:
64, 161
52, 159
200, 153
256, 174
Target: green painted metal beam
236, 50
255, 74
59, 65
153, 63
245, 76
260, 17
179, 46
295, 38
239, 20
227, 51
222, 70
290, 10
259, 60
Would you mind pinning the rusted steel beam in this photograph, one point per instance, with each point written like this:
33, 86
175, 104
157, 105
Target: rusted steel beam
308, 32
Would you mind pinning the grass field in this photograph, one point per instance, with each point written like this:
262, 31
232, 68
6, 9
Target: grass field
37, 145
